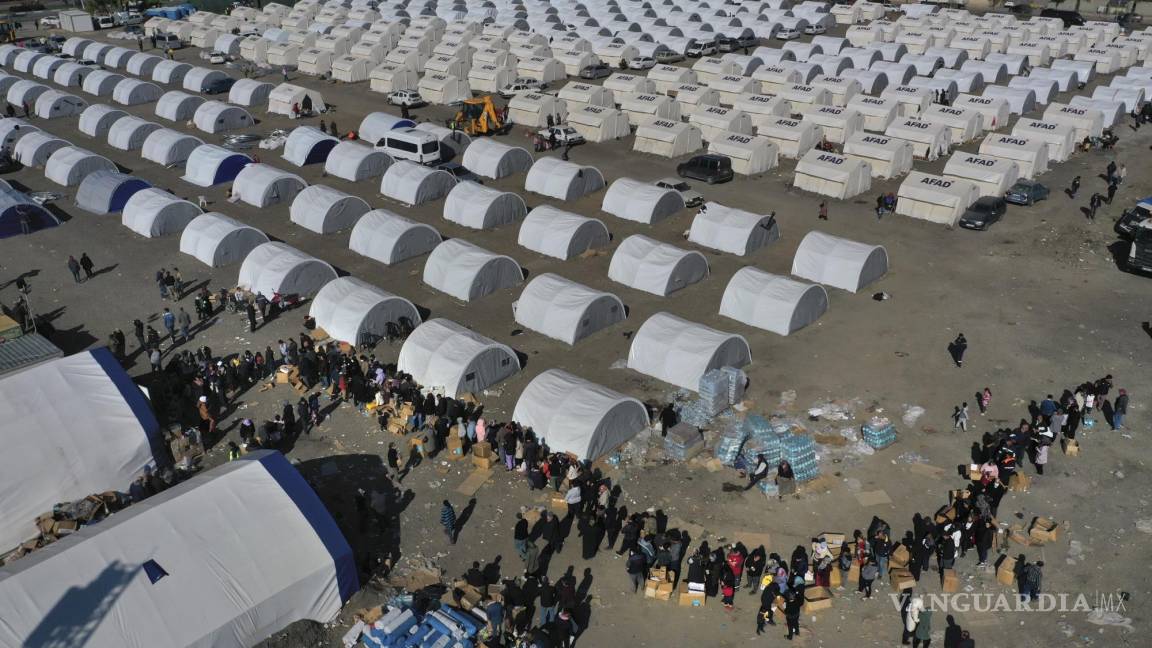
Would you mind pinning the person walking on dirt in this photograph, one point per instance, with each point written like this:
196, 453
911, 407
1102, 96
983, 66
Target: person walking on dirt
448, 521
1074, 188
74, 268
960, 418
984, 400
957, 349
822, 213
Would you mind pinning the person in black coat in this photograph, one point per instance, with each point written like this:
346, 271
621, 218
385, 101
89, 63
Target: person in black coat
793, 602
630, 535
767, 611
550, 532
591, 535
288, 415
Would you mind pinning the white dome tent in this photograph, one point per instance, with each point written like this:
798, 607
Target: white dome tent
936, 199
35, 147
376, 125
153, 213
441, 354
168, 147
105, 192
964, 123
668, 138
209, 165
475, 206
54, 104
413, 184
217, 240
261, 185
249, 93
453, 143
355, 161
286, 95
325, 210
70, 164
170, 72
642, 108
469, 272
443, 89
646, 264
275, 267
1030, 153
886, 157
680, 352
772, 302
575, 416
878, 113
492, 159
142, 65
354, 311
25, 92
839, 262
929, 140
761, 108
714, 121
308, 145
641, 202
129, 133
992, 176
793, 138
14, 128
134, 92
1086, 122
219, 117
565, 310
97, 119
1020, 100
178, 106
732, 230
561, 234
832, 175
553, 177
390, 238
198, 79
577, 94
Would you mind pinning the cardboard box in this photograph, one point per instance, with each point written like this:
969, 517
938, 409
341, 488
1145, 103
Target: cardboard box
900, 557
484, 462
1019, 482
902, 579
834, 540
974, 472
650, 589
1044, 530
1006, 571
281, 377
1016, 534
951, 582
557, 504
945, 514
64, 527
398, 427
957, 495
664, 591
45, 523
817, 598
1071, 447
835, 579
482, 450
318, 334
854, 573
658, 574
691, 599
455, 448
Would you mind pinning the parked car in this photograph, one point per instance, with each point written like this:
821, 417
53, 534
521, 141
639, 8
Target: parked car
983, 213
1026, 192
787, 33
701, 48
218, 58
665, 57
692, 198
747, 42
459, 172
642, 63
725, 44
564, 135
1070, 18
410, 98
50, 21
814, 29
219, 86
169, 41
596, 71
520, 85
710, 168
134, 30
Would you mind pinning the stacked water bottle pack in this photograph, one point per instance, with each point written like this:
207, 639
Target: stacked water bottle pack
879, 432
683, 442
762, 440
714, 391
737, 381
446, 627
729, 444
800, 451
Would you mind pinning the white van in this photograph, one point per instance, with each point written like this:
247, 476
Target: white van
169, 41
411, 144
701, 48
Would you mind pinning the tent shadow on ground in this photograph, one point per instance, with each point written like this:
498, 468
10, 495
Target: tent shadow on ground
81, 610
1119, 252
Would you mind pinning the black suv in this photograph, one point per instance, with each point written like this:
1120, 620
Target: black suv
710, 168
983, 213
1069, 17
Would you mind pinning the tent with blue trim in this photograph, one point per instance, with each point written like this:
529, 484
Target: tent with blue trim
225, 559
210, 165
71, 427
18, 213
105, 192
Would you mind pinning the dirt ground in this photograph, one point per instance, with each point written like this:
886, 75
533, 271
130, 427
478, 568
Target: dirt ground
1039, 298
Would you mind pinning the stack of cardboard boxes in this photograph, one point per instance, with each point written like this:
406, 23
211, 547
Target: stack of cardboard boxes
1044, 530
483, 457
899, 573
691, 596
659, 585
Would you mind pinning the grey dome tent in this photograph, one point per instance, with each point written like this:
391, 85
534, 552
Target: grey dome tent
178, 106
25, 91
390, 238
12, 129
129, 133
154, 212
134, 92
249, 93
573, 415
69, 165
413, 184
561, 234
280, 268
325, 210
217, 240
469, 272
170, 72
106, 192
70, 75
354, 311
198, 79
680, 352
772, 302
209, 165
555, 178
355, 161
565, 310
492, 159
219, 117
476, 206
641, 202
308, 145
168, 147
839, 262
142, 64
646, 264
731, 230
98, 118
261, 185
441, 354
375, 126
55, 104
34, 149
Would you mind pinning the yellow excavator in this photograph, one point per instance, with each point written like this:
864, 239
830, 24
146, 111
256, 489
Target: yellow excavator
478, 116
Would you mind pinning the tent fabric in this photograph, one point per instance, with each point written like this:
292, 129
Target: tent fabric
553, 177
772, 302
209, 165
441, 354
249, 93
219, 117
565, 310
102, 440
261, 185
492, 159
878, 113
749, 154
217, 240
794, 138
54, 104
413, 184
170, 72
105, 192
134, 92
1030, 153
178, 106
839, 262
34, 148
376, 125
646, 264
390, 238
532, 109
476, 206
560, 234
20, 214
69, 165
680, 352
168, 147
325, 210
98, 118
129, 133
929, 140
832, 175
142, 65
25, 91
641, 202
453, 143
937, 199
668, 138
355, 161
598, 124
964, 123
732, 230
276, 267
245, 584
992, 176
1110, 111
354, 311
197, 79
887, 157
579, 417
1060, 137
468, 272
308, 145
993, 111
1020, 100
12, 129
286, 95
153, 213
